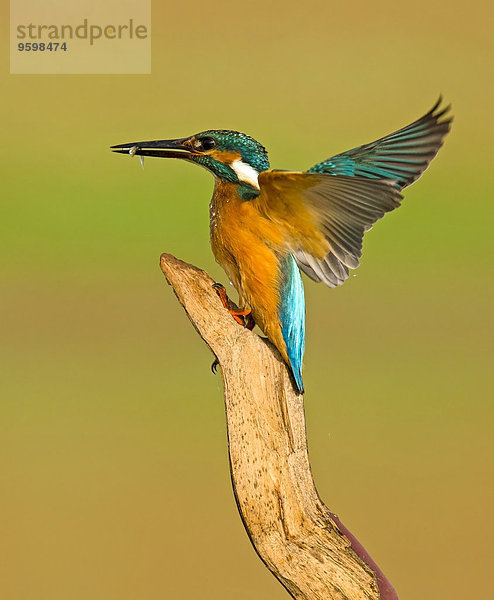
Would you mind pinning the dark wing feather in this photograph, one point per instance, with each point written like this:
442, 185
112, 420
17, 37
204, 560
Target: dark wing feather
336, 210
403, 155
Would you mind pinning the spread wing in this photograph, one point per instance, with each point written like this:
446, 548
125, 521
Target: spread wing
324, 217
403, 155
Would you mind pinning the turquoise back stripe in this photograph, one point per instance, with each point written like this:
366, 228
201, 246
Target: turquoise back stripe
291, 312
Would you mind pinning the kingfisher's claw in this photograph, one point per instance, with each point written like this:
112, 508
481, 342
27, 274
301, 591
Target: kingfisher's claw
239, 314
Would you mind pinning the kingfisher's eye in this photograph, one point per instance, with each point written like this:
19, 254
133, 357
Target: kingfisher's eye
205, 143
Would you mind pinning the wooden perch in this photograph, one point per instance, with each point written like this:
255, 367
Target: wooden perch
301, 542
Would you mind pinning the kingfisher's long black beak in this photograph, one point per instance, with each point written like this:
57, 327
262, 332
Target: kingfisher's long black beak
160, 148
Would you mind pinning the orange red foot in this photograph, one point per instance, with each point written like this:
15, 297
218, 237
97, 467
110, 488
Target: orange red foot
243, 316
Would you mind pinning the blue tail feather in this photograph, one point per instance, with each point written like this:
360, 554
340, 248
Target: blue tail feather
291, 312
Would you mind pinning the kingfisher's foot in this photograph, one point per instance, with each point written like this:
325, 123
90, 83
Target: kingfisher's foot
214, 366
243, 316
249, 322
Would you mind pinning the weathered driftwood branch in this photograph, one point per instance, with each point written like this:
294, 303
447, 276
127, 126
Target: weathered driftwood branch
300, 541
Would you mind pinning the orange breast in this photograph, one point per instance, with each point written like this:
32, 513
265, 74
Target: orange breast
249, 246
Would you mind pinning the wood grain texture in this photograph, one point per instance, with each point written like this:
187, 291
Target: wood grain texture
301, 542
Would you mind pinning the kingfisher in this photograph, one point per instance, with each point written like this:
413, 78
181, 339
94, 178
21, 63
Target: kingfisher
267, 225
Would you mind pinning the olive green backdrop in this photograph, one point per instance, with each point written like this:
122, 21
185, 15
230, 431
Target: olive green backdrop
113, 471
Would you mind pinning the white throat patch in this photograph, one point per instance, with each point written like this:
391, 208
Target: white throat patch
245, 172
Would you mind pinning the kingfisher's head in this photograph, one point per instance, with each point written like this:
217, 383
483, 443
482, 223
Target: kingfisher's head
230, 155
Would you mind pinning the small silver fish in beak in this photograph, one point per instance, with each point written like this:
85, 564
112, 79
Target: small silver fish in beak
132, 152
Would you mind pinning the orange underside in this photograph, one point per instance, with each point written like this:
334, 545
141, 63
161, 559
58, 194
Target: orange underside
249, 245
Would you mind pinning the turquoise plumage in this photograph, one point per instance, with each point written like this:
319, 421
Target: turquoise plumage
291, 312
402, 155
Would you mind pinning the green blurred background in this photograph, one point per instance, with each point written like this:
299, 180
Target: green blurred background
114, 475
